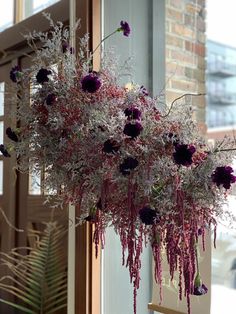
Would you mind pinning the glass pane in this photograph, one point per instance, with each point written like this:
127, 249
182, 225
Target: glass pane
224, 263
1, 132
137, 11
1, 177
35, 183
2, 88
114, 272
224, 268
6, 14
33, 6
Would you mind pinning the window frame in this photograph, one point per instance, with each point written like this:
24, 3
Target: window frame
13, 49
12, 44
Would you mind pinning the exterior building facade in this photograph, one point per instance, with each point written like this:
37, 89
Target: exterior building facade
171, 56
185, 53
221, 85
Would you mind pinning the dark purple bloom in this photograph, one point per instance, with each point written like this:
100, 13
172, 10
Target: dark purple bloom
147, 215
128, 164
91, 83
143, 91
111, 146
223, 176
200, 231
133, 129
42, 75
200, 290
183, 154
4, 151
125, 28
15, 73
66, 47
132, 113
50, 99
11, 134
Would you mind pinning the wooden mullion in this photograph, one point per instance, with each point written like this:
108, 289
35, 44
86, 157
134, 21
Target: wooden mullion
18, 11
83, 11
96, 262
7, 200
87, 267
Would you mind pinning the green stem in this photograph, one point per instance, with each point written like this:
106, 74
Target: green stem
197, 263
105, 38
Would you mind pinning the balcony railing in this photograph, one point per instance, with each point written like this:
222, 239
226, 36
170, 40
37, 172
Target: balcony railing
221, 98
221, 68
221, 118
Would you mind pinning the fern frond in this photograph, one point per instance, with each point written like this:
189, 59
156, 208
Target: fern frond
39, 279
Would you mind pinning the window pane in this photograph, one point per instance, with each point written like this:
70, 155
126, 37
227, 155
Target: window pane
33, 6
34, 182
117, 292
114, 272
224, 263
224, 268
1, 132
2, 87
6, 14
1, 177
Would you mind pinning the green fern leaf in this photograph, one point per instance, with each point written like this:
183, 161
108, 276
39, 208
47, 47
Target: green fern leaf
39, 280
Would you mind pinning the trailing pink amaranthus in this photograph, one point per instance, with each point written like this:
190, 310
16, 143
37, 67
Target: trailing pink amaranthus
114, 153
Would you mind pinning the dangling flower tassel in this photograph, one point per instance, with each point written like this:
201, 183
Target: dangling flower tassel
156, 250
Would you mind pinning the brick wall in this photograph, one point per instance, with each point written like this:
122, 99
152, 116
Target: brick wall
185, 52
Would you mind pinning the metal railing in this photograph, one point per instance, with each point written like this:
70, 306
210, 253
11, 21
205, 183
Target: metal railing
222, 68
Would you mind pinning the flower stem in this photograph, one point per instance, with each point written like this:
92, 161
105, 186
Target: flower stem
105, 38
196, 253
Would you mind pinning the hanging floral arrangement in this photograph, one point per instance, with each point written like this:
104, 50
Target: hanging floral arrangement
114, 153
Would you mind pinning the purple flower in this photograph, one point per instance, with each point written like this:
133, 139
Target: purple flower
15, 73
132, 113
50, 99
91, 83
42, 75
199, 288
143, 91
125, 28
147, 215
11, 134
224, 176
66, 47
111, 146
4, 151
183, 154
128, 164
133, 129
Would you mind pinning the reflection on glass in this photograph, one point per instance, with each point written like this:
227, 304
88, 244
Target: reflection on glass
224, 267
33, 6
35, 182
2, 88
1, 132
1, 177
6, 14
